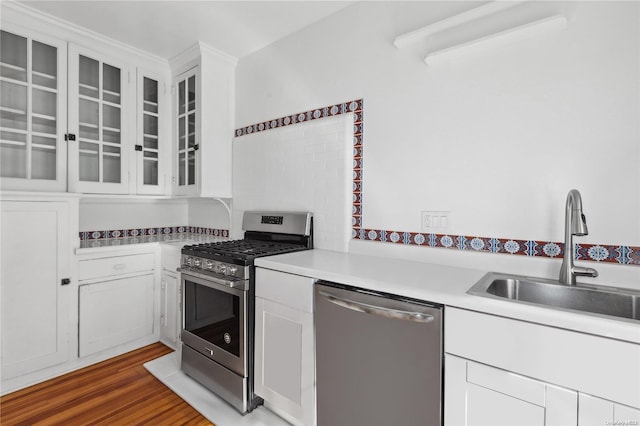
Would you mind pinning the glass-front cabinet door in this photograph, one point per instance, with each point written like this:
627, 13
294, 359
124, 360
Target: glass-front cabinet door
98, 108
150, 139
32, 112
186, 181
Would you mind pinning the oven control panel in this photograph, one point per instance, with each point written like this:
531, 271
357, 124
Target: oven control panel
220, 268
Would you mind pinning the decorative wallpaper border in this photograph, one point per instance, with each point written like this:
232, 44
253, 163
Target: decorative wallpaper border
619, 254
156, 231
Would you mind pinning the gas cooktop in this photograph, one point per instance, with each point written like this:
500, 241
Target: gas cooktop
240, 250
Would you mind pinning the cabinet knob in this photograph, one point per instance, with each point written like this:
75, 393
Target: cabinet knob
138, 147
65, 281
69, 137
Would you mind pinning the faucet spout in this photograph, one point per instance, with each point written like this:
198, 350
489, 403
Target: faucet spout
575, 223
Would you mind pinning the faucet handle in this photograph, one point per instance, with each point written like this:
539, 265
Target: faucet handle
584, 272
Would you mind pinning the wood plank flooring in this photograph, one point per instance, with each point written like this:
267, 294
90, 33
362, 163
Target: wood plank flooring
119, 391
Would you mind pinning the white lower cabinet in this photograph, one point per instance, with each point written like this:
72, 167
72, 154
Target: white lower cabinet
597, 412
170, 297
170, 310
116, 301
284, 345
501, 371
115, 312
477, 394
35, 295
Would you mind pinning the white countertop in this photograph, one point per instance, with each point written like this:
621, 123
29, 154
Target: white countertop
114, 244
436, 283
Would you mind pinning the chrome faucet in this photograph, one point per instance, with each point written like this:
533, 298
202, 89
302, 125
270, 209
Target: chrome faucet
574, 224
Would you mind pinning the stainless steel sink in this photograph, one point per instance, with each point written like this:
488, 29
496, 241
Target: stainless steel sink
600, 300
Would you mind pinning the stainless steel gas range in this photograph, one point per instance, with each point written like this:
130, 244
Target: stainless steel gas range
218, 282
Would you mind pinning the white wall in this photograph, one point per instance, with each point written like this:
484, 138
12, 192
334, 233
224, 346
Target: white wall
497, 137
208, 213
103, 214
303, 167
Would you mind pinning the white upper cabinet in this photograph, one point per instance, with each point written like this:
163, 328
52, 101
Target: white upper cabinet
152, 142
203, 105
186, 136
33, 111
79, 112
99, 113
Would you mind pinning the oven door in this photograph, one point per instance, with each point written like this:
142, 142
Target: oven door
214, 320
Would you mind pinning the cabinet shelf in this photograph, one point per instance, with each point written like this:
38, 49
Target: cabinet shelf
13, 110
109, 92
44, 75
43, 116
150, 104
14, 81
44, 88
13, 67
111, 129
146, 135
42, 146
89, 125
87, 86
44, 135
12, 130
12, 142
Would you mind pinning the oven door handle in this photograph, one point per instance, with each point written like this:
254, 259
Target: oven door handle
376, 310
239, 284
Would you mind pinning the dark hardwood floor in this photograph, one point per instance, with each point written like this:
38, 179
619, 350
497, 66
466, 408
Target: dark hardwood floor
118, 391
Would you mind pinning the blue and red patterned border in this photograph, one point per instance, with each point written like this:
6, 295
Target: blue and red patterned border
623, 255
156, 231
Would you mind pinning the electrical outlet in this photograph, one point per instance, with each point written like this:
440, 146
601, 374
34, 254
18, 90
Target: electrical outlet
435, 221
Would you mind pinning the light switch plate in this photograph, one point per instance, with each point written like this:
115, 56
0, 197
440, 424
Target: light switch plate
435, 221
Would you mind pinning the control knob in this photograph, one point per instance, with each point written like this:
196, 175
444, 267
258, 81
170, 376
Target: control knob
231, 270
209, 264
196, 262
221, 268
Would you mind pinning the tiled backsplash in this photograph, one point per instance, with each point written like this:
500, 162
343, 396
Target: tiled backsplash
618, 254
144, 232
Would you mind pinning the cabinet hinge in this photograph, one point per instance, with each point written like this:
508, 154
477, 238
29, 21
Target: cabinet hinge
69, 137
196, 147
138, 147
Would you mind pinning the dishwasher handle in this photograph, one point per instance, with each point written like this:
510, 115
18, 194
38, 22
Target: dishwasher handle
376, 310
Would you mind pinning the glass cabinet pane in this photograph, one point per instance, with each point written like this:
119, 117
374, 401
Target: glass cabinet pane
28, 108
150, 167
150, 135
192, 94
187, 131
192, 168
181, 97
89, 73
13, 56
100, 121
45, 65
150, 95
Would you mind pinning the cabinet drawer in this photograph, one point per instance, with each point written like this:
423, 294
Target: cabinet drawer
291, 290
118, 265
531, 391
602, 367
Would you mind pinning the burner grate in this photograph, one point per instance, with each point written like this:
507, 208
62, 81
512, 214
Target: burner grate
243, 249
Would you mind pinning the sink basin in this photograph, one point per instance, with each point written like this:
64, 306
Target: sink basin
600, 300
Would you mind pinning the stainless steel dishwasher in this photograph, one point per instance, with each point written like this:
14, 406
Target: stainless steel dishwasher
378, 358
